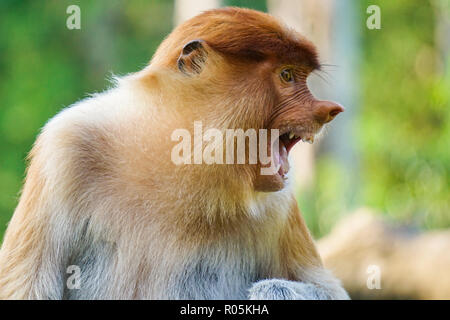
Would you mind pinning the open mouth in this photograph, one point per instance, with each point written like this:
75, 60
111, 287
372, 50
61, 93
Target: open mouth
286, 142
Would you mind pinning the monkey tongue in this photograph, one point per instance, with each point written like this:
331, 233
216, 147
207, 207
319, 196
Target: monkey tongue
283, 159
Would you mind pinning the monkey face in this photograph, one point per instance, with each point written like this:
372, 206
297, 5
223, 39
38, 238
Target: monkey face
248, 71
297, 115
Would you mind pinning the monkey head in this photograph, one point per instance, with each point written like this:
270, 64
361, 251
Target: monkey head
244, 69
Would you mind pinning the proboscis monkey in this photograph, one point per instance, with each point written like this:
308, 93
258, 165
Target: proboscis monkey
103, 195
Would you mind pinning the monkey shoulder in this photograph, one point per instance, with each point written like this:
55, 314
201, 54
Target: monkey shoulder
79, 143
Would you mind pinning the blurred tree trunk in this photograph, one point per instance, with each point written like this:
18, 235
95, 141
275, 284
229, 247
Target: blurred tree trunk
303, 16
442, 38
99, 46
185, 9
332, 26
409, 264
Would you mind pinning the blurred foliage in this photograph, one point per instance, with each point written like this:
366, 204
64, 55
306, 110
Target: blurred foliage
44, 67
402, 132
402, 129
405, 132
260, 5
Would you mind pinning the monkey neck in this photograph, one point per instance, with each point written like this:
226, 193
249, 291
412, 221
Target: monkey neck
216, 194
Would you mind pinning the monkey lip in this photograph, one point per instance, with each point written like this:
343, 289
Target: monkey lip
289, 140
286, 142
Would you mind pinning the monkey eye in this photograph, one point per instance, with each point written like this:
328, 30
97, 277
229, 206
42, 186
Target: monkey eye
286, 75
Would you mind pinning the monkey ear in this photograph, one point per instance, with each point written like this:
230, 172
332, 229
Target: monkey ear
193, 57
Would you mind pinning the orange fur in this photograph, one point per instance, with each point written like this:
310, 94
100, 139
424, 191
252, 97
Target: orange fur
101, 191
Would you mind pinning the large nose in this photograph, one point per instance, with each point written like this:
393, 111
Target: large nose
325, 111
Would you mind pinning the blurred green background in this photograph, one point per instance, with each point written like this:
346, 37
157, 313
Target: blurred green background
401, 129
